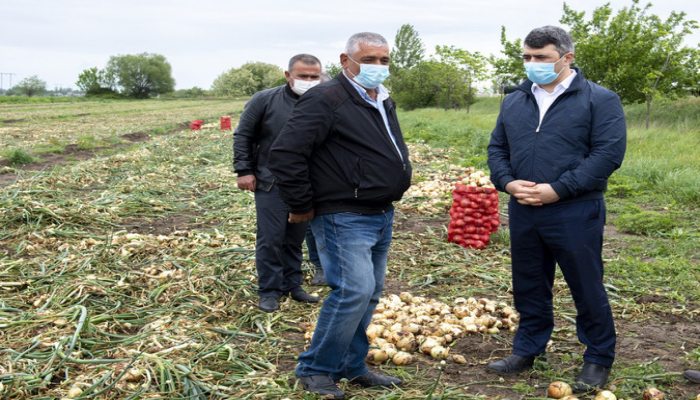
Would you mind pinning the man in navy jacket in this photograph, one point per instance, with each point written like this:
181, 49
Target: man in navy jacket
557, 140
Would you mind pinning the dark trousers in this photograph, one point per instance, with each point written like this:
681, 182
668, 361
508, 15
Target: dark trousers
570, 235
311, 247
278, 252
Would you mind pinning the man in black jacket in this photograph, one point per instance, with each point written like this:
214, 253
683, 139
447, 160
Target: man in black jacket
278, 251
340, 162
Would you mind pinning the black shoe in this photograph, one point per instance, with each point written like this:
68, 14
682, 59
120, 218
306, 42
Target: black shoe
269, 304
300, 295
593, 376
369, 379
692, 375
319, 278
321, 384
512, 365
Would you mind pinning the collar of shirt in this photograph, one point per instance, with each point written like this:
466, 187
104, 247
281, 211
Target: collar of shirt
545, 99
561, 87
382, 92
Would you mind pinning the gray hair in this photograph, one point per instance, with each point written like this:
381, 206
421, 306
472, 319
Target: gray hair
307, 59
543, 36
368, 38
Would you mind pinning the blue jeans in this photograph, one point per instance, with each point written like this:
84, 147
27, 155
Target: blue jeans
353, 249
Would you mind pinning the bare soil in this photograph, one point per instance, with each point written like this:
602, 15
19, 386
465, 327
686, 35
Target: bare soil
70, 154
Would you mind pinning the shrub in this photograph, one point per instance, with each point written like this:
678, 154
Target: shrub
19, 157
646, 223
622, 186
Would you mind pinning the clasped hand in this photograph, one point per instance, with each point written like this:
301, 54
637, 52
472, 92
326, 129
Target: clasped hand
531, 193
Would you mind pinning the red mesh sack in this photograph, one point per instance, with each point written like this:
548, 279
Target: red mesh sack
196, 125
473, 216
225, 123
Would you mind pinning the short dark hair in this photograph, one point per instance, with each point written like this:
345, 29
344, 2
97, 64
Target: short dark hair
543, 36
307, 59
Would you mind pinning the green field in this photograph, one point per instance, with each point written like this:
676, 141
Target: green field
130, 274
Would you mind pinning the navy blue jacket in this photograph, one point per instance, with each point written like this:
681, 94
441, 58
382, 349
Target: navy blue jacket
580, 143
335, 154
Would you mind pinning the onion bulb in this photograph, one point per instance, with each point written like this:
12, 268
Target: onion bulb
402, 358
74, 392
557, 390
605, 395
439, 352
427, 346
376, 356
652, 393
459, 359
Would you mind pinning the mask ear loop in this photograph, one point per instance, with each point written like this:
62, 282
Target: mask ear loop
351, 59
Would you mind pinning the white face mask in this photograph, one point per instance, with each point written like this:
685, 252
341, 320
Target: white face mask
300, 87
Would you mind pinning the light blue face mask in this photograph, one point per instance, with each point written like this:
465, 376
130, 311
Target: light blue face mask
371, 75
542, 73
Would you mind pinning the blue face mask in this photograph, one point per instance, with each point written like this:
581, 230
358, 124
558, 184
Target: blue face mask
542, 73
371, 75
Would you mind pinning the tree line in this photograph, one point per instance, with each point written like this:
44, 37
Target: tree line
636, 54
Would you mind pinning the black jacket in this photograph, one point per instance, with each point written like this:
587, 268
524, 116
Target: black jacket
335, 154
262, 119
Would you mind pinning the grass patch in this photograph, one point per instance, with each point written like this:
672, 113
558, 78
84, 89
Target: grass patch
646, 223
54, 146
19, 157
87, 142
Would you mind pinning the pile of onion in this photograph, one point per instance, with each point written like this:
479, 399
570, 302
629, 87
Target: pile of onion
405, 324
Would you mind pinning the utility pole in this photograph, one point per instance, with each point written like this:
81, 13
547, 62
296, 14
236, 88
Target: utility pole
3, 74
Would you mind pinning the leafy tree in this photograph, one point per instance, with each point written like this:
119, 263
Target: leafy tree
634, 53
691, 63
31, 86
333, 69
142, 75
451, 77
509, 71
408, 49
417, 87
95, 82
247, 80
475, 67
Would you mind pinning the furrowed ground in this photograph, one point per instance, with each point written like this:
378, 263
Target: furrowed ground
127, 269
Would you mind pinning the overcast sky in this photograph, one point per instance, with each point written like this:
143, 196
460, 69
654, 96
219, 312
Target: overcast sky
57, 39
